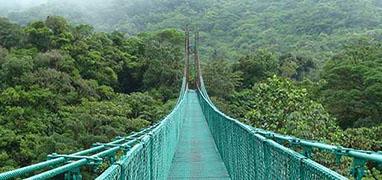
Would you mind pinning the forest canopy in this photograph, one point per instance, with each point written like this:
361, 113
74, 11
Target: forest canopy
64, 87
229, 28
74, 73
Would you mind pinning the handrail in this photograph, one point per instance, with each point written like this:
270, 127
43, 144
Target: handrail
338, 150
61, 160
360, 157
306, 167
100, 150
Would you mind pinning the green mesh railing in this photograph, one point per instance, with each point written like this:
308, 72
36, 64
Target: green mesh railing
152, 157
70, 165
248, 155
145, 155
307, 147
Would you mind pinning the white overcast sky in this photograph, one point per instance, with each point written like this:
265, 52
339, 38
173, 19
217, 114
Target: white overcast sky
15, 4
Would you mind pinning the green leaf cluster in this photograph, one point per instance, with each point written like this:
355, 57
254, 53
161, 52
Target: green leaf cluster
65, 87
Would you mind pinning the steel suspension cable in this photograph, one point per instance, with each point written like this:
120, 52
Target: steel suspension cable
238, 149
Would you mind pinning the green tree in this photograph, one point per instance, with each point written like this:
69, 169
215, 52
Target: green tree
3, 54
220, 79
257, 67
278, 105
57, 24
39, 35
55, 59
295, 67
10, 34
164, 62
352, 92
14, 68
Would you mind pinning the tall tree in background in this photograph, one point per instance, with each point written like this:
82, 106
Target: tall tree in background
10, 34
353, 89
221, 80
257, 67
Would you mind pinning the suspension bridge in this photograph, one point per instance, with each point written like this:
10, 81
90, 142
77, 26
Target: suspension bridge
197, 141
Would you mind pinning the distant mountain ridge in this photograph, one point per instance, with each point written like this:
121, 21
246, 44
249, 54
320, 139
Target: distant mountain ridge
231, 27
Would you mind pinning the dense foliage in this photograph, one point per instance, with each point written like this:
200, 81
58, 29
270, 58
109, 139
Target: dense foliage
278, 105
353, 88
343, 108
230, 28
306, 68
63, 87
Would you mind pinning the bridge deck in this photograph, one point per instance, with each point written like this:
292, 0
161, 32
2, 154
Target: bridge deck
196, 156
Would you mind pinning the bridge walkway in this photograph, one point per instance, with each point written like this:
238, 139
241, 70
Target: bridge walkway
196, 155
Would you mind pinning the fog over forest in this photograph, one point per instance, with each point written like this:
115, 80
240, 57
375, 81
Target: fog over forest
54, 7
76, 72
7, 6
229, 27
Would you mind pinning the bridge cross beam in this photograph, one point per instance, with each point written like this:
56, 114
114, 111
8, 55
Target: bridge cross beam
74, 174
358, 168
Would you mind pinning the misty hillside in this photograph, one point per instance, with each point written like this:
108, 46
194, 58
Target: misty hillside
19, 5
304, 26
77, 72
230, 27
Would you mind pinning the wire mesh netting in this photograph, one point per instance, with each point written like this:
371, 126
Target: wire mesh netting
151, 158
196, 155
248, 155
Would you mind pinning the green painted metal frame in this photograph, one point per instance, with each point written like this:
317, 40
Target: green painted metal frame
354, 153
97, 152
249, 155
70, 164
360, 157
152, 157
